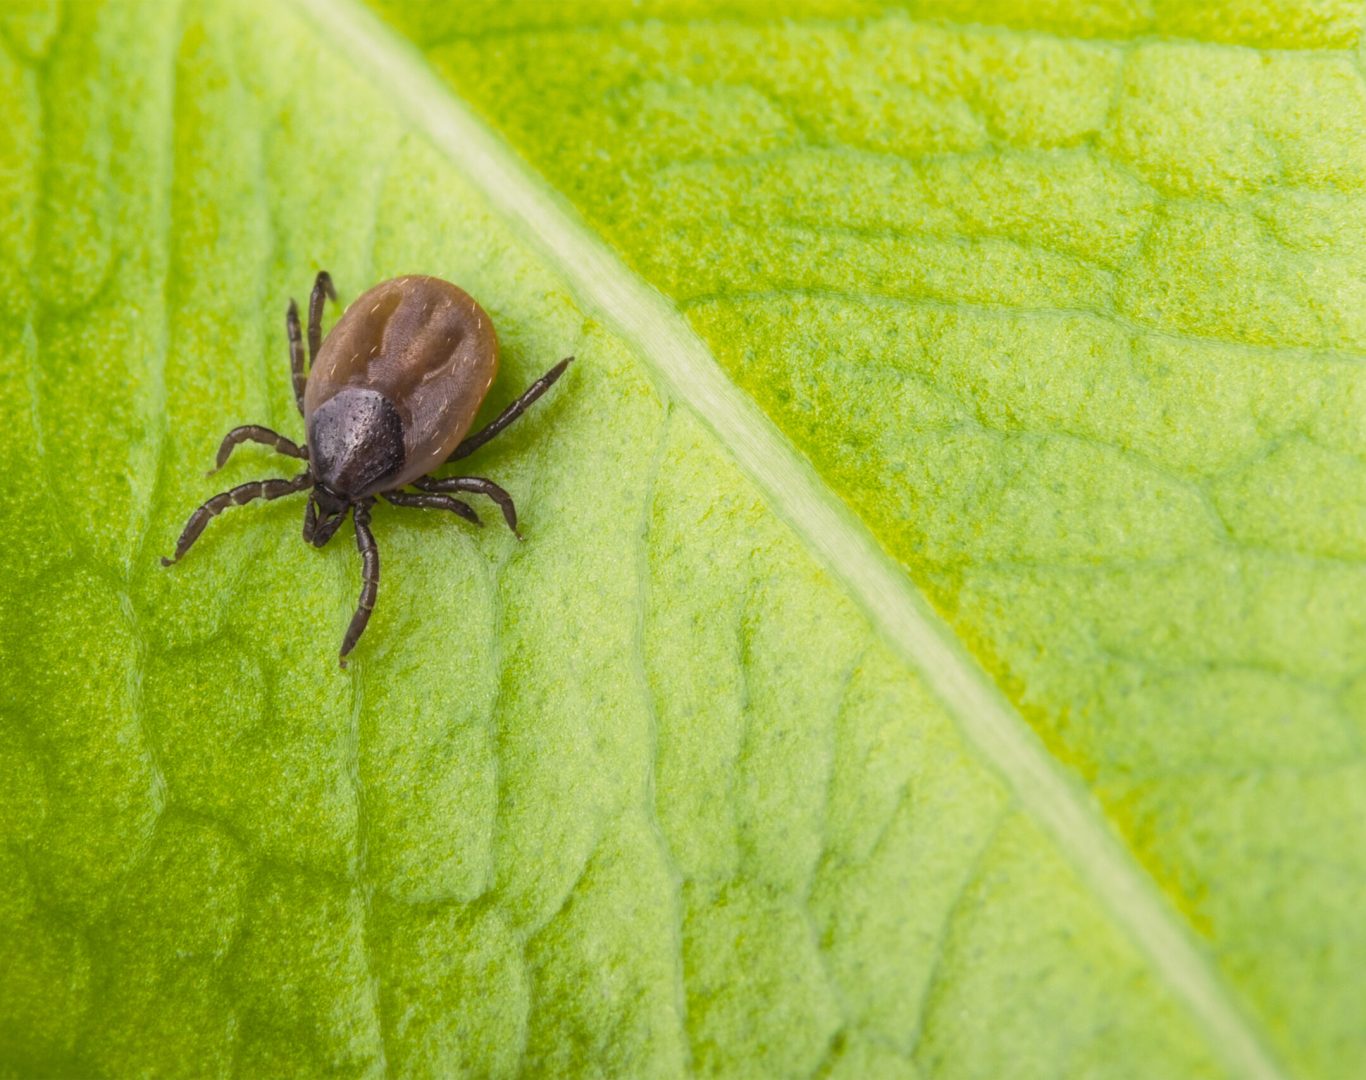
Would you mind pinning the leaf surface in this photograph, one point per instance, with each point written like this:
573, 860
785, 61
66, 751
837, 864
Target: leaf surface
1066, 302
670, 788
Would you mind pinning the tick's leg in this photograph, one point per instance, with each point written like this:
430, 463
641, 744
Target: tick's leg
322, 287
255, 433
433, 502
479, 486
508, 415
243, 493
310, 519
369, 557
296, 354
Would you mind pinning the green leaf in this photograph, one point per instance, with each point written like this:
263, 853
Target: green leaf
1051, 317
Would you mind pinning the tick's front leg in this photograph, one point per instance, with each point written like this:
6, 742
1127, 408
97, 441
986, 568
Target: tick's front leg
243, 493
369, 557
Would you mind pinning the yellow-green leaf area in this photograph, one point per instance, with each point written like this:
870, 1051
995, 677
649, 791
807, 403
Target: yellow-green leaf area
647, 795
1068, 302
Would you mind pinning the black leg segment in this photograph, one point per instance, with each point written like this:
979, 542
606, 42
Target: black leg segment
433, 502
322, 287
508, 415
243, 493
256, 433
369, 557
477, 485
296, 354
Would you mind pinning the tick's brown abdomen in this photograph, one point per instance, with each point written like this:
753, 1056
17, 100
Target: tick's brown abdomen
428, 348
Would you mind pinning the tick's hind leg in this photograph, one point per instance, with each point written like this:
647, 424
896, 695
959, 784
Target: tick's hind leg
243, 493
433, 502
369, 556
322, 288
477, 485
296, 354
508, 415
259, 434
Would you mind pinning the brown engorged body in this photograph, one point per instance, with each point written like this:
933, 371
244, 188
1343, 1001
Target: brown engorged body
426, 346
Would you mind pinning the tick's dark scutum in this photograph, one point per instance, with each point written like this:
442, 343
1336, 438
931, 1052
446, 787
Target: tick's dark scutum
356, 441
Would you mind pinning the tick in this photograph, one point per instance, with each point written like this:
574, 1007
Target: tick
386, 399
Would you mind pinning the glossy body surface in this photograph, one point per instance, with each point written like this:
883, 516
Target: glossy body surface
386, 399
397, 384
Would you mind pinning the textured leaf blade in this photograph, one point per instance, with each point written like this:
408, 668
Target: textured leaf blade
1065, 302
596, 803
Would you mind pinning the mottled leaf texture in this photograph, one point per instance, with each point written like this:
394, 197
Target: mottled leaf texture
939, 645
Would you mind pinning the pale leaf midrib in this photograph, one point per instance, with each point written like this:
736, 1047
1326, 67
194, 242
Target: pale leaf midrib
684, 368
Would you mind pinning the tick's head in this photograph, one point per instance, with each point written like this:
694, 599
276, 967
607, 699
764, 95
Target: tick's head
355, 443
324, 514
